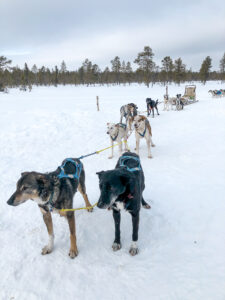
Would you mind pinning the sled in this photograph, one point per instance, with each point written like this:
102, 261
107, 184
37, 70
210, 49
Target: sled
189, 96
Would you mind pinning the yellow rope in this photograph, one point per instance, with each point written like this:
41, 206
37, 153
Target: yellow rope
90, 207
73, 209
111, 147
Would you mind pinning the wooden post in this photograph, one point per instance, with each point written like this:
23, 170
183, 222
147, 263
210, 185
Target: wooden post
97, 102
167, 91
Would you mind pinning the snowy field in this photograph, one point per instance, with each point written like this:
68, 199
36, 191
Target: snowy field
181, 239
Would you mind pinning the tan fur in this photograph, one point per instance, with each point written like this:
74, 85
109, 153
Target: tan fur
87, 203
149, 127
141, 123
48, 222
73, 241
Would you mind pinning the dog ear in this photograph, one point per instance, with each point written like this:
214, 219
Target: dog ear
41, 179
100, 173
24, 173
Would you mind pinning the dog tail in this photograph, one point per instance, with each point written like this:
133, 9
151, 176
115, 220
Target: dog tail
148, 127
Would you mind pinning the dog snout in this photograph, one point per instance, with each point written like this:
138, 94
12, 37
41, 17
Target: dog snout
11, 200
101, 204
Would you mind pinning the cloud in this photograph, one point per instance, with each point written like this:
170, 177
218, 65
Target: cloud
46, 32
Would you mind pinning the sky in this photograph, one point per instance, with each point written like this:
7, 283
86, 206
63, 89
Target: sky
45, 32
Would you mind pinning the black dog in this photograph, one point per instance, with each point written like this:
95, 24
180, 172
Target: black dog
151, 104
52, 192
123, 188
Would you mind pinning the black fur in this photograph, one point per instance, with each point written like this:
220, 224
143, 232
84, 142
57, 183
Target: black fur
124, 187
151, 105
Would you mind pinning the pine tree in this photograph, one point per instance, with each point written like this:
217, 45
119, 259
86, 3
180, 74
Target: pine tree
179, 71
146, 65
222, 67
116, 68
4, 62
205, 69
26, 74
56, 79
167, 67
129, 72
63, 67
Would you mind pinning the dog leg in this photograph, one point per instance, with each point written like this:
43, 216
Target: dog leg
148, 141
48, 222
125, 142
120, 147
145, 204
73, 243
82, 190
135, 222
151, 141
116, 244
137, 145
111, 150
157, 111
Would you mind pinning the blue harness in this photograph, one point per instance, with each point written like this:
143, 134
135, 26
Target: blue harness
125, 158
77, 173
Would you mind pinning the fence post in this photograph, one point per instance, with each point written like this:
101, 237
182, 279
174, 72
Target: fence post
97, 102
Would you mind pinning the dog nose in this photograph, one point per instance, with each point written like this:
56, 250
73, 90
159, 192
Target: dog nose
107, 132
100, 205
10, 201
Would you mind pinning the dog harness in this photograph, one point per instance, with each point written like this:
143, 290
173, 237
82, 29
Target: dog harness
124, 126
77, 173
123, 159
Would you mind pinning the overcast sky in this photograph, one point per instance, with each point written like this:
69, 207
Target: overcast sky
46, 32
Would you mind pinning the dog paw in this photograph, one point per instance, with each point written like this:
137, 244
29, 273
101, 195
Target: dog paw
153, 145
46, 250
116, 246
133, 249
147, 206
73, 253
90, 209
150, 156
110, 157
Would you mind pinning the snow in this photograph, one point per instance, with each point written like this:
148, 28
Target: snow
181, 239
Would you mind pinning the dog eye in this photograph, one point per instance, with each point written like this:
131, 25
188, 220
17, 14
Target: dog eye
25, 188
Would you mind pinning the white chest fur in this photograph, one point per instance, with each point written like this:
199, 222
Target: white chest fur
119, 205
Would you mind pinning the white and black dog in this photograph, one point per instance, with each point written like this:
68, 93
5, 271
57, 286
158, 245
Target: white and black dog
128, 111
117, 133
122, 188
151, 105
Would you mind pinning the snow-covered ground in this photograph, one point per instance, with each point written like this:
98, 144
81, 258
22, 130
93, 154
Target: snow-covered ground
181, 239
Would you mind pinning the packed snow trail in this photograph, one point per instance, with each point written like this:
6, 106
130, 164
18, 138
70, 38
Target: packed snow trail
181, 239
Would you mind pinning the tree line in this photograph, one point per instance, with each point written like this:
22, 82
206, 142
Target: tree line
121, 72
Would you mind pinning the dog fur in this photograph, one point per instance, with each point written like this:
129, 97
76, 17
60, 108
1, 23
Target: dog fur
121, 188
143, 130
128, 111
41, 187
117, 133
151, 106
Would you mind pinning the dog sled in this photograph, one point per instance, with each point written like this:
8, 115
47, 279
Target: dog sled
189, 96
